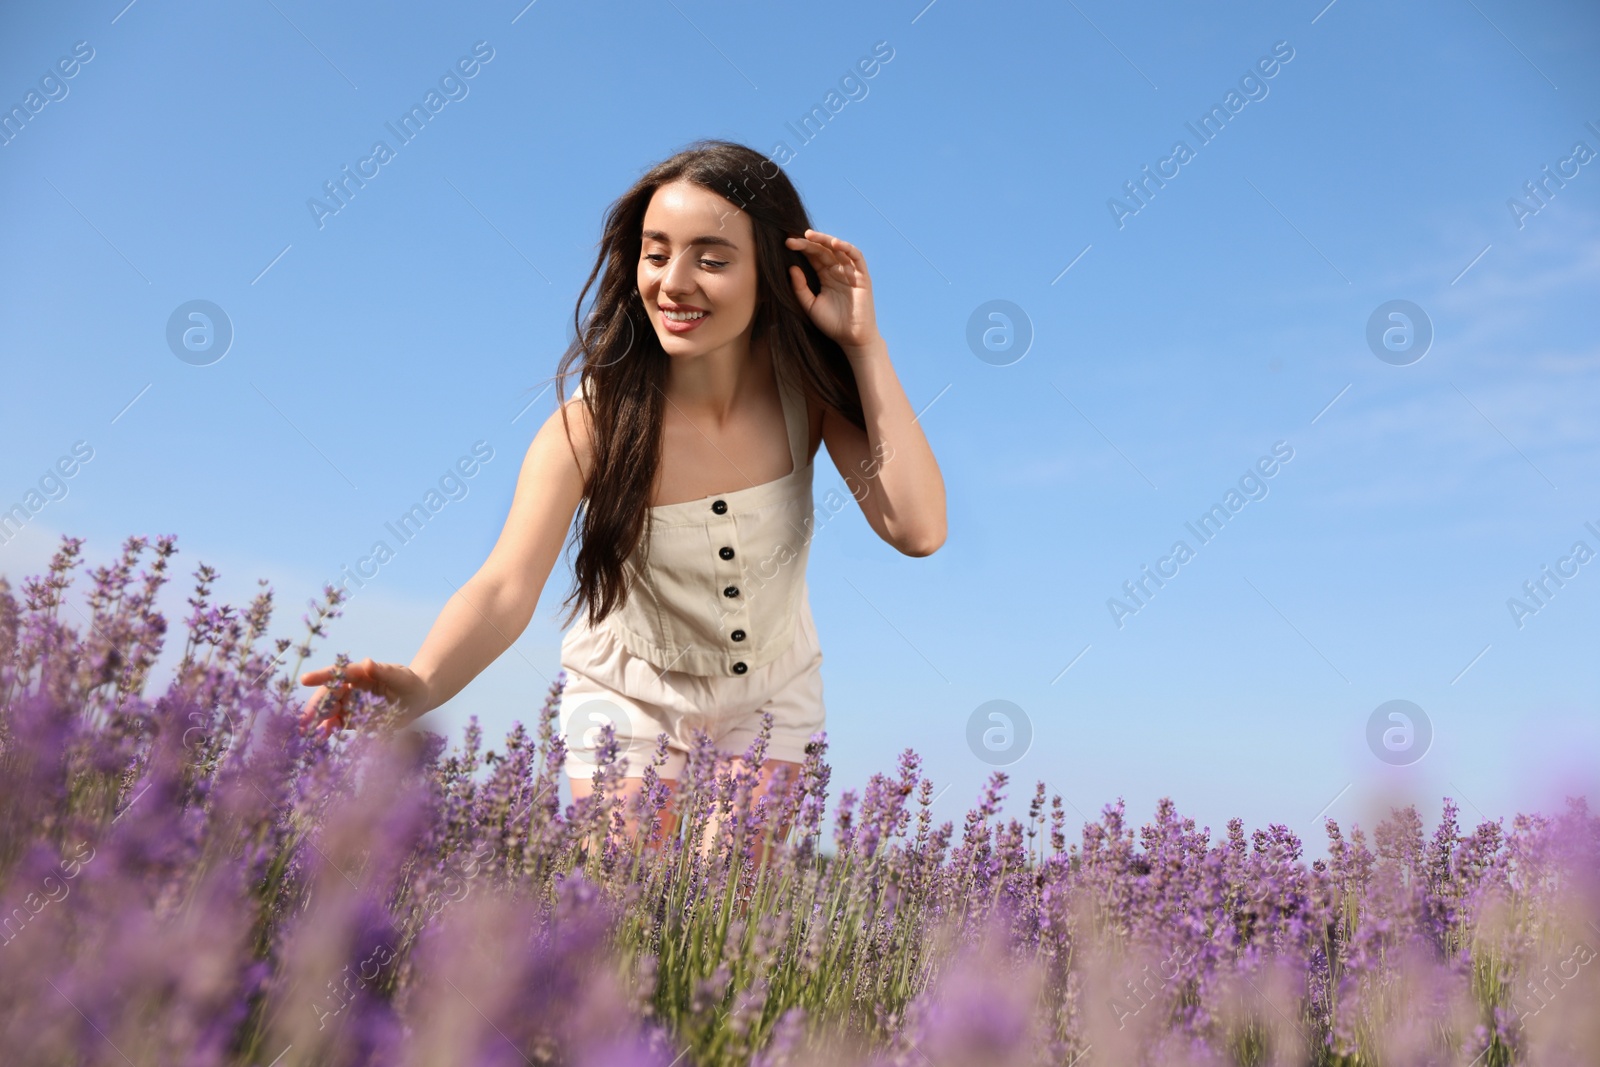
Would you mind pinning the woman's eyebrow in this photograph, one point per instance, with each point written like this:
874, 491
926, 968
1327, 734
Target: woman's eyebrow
708, 239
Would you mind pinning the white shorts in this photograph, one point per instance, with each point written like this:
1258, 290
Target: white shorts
608, 683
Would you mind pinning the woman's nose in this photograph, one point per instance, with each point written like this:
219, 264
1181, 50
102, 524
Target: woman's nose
678, 278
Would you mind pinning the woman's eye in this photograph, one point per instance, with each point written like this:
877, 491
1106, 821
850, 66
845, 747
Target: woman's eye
656, 257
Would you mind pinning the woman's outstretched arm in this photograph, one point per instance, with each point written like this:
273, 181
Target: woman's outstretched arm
492, 608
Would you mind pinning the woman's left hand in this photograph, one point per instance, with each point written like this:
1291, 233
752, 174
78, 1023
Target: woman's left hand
843, 310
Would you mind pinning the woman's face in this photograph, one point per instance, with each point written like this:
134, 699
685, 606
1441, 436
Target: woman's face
697, 269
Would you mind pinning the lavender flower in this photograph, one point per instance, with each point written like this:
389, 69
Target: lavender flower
187, 877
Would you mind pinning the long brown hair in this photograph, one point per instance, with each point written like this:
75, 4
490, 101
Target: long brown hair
624, 369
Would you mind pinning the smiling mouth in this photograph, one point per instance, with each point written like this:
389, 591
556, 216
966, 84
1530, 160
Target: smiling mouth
682, 320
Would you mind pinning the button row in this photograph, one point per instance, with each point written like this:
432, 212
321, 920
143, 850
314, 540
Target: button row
726, 552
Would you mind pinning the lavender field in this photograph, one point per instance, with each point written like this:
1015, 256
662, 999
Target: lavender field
187, 878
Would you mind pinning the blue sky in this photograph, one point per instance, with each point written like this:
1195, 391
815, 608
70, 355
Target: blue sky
1177, 339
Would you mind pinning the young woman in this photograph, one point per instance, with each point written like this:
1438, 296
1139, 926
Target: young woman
727, 340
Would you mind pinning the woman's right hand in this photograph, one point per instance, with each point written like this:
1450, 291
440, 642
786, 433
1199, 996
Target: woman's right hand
395, 683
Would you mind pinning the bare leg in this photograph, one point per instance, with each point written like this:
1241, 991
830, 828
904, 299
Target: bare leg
773, 832
666, 823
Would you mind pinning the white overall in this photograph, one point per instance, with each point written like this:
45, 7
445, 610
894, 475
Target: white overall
716, 628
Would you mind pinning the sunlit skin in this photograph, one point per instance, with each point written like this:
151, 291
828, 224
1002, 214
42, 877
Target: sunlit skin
722, 430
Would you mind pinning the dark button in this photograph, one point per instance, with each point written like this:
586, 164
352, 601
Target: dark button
725, 552
740, 668
732, 590
737, 635
719, 506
